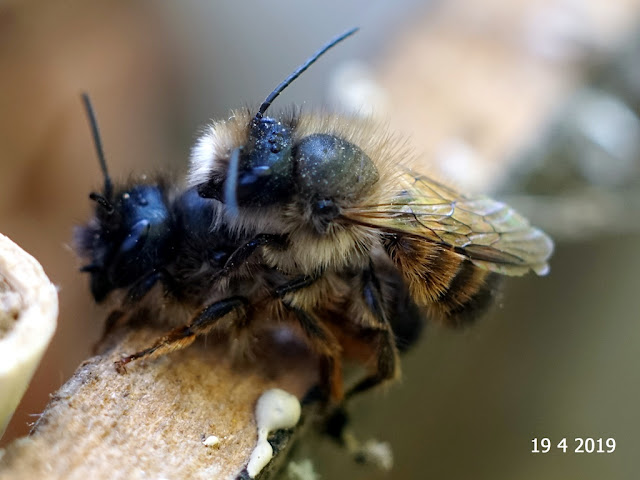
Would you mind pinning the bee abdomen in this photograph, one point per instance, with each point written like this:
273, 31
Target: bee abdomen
453, 290
469, 295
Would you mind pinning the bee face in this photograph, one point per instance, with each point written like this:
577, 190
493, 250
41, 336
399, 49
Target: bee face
129, 236
323, 172
260, 171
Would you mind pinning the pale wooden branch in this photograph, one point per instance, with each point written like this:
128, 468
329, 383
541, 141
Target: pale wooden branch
151, 422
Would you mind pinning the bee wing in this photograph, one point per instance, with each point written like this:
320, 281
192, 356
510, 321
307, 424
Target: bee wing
489, 233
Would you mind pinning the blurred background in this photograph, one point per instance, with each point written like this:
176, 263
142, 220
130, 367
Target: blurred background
534, 101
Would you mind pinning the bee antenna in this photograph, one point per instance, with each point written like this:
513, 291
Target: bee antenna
230, 193
310, 61
108, 186
102, 201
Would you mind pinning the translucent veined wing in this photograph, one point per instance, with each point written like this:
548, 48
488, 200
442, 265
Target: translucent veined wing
491, 234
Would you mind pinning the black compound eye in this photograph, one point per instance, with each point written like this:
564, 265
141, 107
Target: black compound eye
331, 167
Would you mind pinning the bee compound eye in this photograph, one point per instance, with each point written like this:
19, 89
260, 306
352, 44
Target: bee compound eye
331, 167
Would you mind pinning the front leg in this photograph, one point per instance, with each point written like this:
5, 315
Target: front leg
136, 293
182, 337
143, 286
324, 343
242, 254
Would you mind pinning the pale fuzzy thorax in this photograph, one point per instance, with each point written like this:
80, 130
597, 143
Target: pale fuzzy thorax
344, 243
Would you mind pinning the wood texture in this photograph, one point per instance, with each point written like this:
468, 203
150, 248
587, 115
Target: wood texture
151, 421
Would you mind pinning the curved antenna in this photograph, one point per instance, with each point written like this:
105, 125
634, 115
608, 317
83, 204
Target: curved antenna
108, 186
310, 61
230, 184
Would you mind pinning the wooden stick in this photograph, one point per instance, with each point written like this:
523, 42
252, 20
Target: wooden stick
152, 421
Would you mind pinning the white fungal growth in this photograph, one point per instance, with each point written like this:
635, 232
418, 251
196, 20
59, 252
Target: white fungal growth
276, 409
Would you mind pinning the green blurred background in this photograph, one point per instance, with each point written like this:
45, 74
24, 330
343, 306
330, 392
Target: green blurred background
559, 355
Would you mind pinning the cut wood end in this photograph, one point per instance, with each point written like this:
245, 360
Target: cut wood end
28, 316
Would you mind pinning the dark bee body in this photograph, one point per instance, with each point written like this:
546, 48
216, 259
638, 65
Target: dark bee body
168, 253
156, 247
321, 219
148, 235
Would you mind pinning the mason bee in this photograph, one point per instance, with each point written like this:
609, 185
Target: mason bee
342, 194
317, 217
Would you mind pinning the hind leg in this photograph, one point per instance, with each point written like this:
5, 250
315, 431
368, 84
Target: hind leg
375, 322
321, 339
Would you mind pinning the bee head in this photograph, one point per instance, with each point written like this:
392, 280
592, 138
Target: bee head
129, 235
259, 173
271, 167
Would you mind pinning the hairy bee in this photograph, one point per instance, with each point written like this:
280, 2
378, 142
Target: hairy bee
152, 243
342, 194
320, 219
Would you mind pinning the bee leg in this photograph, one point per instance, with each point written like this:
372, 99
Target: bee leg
376, 324
242, 254
110, 322
383, 338
405, 317
182, 337
386, 368
325, 344
321, 338
134, 295
369, 452
145, 284
297, 283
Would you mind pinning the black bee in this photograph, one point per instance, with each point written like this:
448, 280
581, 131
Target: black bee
151, 234
320, 219
166, 250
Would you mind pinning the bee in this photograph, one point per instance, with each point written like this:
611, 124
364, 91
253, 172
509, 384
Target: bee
152, 244
318, 217
342, 194
151, 233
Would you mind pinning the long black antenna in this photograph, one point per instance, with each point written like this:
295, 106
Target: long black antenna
108, 186
278, 90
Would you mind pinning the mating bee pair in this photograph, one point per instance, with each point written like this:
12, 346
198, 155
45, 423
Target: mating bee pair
316, 220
